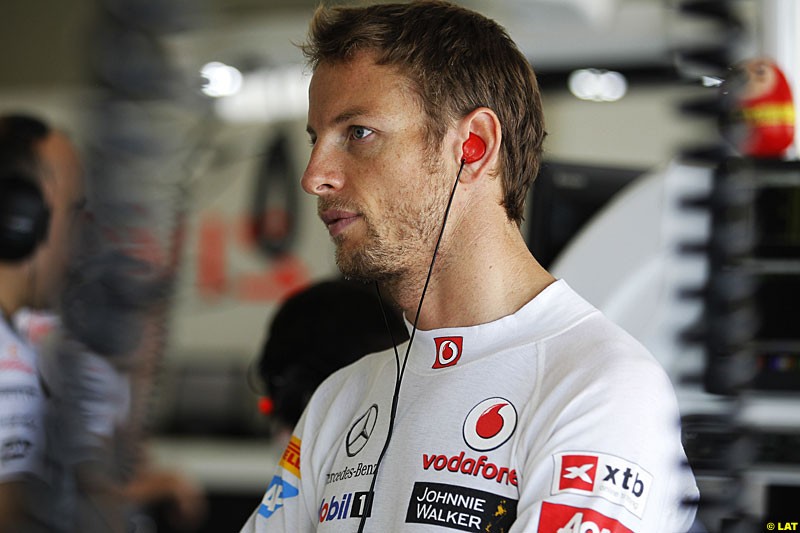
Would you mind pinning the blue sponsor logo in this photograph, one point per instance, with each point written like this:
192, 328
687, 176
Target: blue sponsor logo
278, 492
350, 505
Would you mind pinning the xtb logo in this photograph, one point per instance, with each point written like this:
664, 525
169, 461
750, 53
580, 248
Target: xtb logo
579, 472
636, 488
607, 476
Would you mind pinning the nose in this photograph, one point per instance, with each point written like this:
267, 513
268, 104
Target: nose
322, 175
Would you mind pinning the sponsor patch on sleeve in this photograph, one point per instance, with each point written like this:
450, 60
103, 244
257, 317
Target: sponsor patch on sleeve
277, 493
460, 508
606, 476
556, 518
14, 449
349, 505
290, 460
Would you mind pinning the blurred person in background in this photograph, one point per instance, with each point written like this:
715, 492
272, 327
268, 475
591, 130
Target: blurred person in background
315, 332
41, 202
63, 406
104, 396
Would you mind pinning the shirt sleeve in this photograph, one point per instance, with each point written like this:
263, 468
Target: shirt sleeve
291, 503
605, 452
284, 506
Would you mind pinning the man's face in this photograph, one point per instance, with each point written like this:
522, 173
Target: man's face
62, 185
379, 194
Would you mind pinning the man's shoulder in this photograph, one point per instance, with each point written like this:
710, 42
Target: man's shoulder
333, 406
348, 385
597, 351
365, 368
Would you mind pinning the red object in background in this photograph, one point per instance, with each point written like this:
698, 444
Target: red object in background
765, 110
284, 276
272, 281
211, 267
265, 405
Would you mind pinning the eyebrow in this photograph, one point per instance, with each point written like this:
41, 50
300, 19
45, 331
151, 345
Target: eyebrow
342, 117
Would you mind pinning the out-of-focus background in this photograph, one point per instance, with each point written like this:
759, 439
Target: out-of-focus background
196, 111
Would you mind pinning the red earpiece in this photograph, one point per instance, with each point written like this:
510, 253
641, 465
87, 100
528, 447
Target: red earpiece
472, 149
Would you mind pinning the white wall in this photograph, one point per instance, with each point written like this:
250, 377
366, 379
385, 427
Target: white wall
643, 129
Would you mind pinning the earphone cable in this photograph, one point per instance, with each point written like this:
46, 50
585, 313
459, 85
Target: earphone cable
401, 370
389, 329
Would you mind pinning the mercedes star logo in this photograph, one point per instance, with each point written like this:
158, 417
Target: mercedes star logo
362, 428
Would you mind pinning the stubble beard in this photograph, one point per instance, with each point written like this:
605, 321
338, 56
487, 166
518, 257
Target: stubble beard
401, 248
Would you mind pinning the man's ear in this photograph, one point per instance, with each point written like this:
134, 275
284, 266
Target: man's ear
479, 136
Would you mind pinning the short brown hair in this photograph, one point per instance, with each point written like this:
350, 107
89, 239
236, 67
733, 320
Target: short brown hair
459, 60
19, 135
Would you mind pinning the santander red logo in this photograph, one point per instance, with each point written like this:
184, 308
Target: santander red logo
448, 351
490, 424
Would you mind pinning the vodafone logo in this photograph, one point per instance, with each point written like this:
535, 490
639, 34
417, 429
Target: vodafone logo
470, 466
448, 351
490, 424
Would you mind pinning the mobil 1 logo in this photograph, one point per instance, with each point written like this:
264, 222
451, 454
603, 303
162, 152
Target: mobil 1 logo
348, 505
460, 508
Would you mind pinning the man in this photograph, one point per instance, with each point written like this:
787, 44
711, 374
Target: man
42, 197
518, 406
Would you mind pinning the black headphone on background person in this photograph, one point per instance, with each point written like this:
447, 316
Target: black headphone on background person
24, 214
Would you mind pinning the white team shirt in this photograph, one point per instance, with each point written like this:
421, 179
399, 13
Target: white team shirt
549, 420
23, 406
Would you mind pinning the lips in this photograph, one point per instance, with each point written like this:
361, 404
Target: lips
337, 220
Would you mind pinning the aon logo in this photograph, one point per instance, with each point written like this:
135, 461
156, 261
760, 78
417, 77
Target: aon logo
556, 518
577, 524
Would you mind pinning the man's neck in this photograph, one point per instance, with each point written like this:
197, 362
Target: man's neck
12, 289
490, 276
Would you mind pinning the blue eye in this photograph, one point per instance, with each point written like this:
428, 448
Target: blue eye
360, 132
